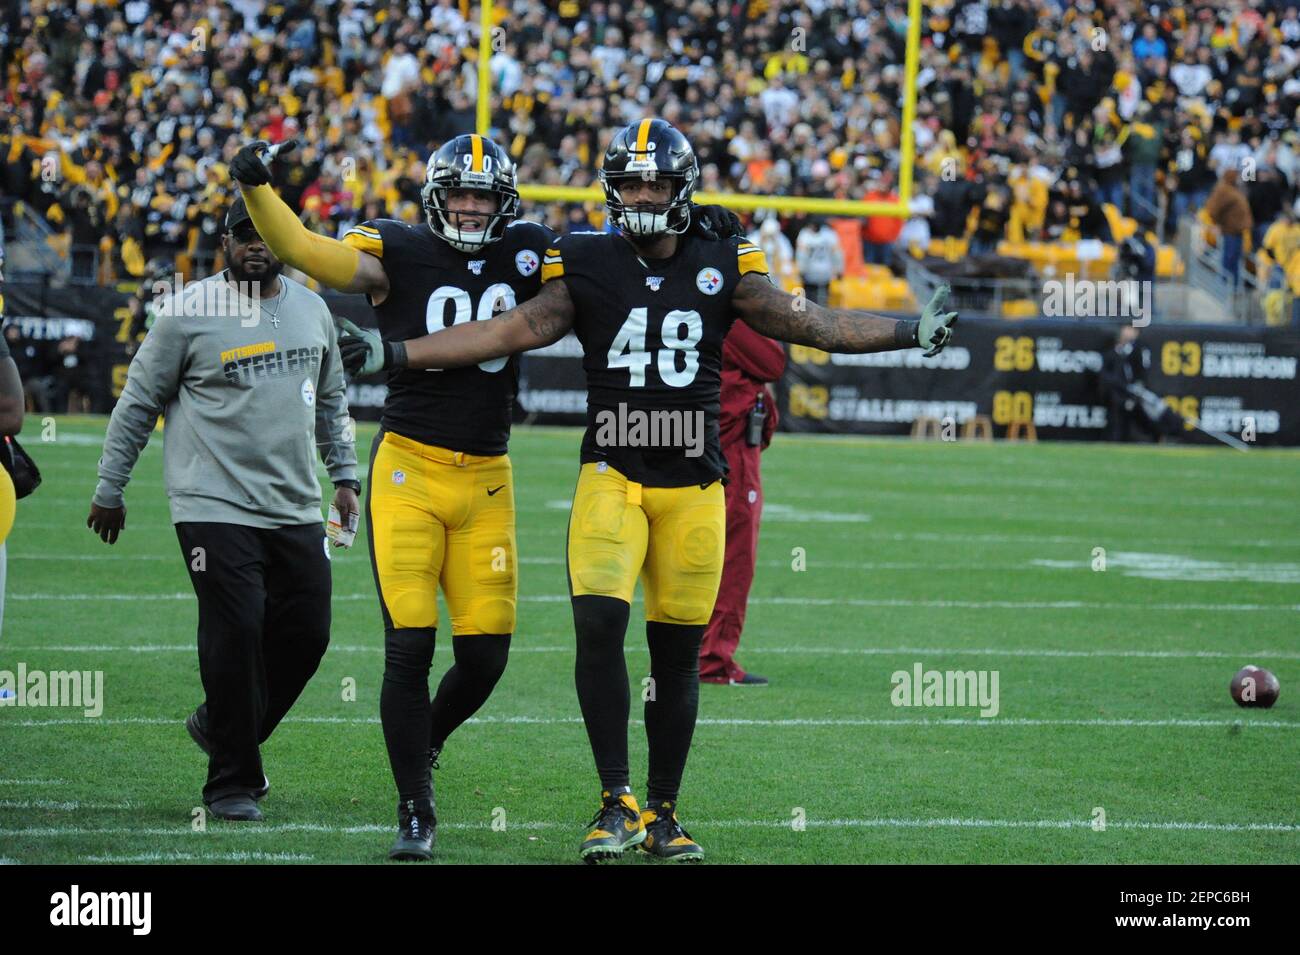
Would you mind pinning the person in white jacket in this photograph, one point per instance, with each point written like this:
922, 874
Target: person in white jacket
778, 249
820, 259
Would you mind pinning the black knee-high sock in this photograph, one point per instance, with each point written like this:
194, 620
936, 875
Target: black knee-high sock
404, 709
600, 674
480, 661
670, 712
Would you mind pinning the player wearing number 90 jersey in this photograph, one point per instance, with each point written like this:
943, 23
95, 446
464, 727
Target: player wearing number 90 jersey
434, 287
440, 500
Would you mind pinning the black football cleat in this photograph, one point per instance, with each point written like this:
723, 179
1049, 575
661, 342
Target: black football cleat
750, 679
417, 828
616, 827
664, 837
239, 807
198, 730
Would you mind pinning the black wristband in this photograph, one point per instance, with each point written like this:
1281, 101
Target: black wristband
905, 334
394, 354
355, 485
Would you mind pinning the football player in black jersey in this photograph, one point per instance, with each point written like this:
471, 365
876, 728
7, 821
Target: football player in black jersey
440, 500
651, 306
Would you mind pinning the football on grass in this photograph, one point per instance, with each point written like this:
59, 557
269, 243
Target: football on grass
1254, 686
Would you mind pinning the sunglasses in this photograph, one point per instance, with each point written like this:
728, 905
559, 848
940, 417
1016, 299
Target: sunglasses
244, 233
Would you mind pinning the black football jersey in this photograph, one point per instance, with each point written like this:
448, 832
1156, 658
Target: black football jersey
433, 286
651, 333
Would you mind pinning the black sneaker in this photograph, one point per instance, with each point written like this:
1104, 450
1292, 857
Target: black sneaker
198, 730
665, 838
615, 827
416, 828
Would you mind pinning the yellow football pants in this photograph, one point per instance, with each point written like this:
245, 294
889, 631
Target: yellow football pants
442, 517
673, 538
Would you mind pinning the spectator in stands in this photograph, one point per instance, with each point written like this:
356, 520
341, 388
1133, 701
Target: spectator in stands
1191, 174
33, 361
778, 250
953, 201
1142, 152
1267, 198
72, 388
1229, 210
820, 259
879, 233
915, 232
991, 224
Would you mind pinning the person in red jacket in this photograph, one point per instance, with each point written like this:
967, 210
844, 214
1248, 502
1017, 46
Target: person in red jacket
750, 362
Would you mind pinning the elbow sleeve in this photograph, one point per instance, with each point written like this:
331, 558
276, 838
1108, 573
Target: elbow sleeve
327, 260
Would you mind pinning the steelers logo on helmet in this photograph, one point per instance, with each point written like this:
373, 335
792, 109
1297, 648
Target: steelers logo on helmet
650, 150
470, 162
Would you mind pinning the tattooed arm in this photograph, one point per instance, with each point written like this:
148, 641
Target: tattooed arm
777, 314
536, 323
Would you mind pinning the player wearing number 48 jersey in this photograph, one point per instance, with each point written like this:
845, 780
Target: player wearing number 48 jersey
651, 306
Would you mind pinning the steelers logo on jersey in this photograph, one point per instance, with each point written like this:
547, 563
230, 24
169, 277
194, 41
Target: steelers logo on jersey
526, 261
709, 281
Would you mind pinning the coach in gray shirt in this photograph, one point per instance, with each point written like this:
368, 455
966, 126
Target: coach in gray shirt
245, 368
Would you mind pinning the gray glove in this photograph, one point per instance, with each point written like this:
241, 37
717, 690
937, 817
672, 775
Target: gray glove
936, 325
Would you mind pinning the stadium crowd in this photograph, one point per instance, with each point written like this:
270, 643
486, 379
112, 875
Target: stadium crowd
1037, 120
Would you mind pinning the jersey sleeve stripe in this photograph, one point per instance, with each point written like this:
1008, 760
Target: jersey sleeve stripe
365, 242
751, 261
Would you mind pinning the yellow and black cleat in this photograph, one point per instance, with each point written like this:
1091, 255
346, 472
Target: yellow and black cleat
664, 837
615, 828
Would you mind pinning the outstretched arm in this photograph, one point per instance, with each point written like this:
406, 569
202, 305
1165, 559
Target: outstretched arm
536, 323
329, 261
777, 314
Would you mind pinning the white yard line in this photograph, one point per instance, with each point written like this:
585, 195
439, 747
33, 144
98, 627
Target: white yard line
924, 722
205, 857
521, 646
60, 806
702, 824
803, 602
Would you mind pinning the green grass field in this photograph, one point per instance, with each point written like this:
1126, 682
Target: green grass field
1113, 685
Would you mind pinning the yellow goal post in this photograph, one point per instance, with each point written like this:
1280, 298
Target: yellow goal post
733, 200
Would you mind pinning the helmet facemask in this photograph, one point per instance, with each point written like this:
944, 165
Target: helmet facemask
446, 224
649, 219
